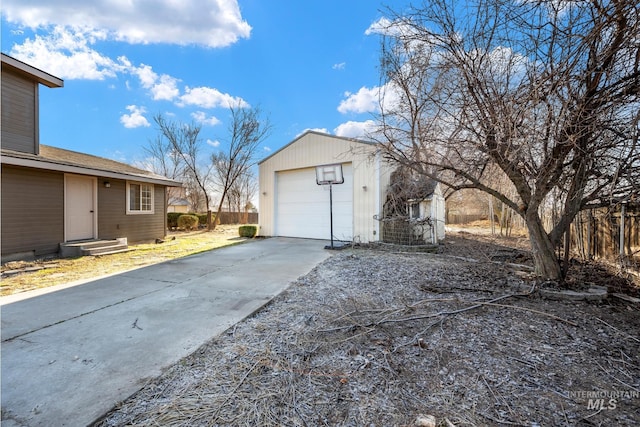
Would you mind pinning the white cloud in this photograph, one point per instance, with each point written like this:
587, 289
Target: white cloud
356, 129
206, 97
166, 88
339, 66
136, 119
215, 143
212, 23
321, 130
267, 149
398, 28
201, 117
381, 26
68, 55
364, 101
162, 87
146, 75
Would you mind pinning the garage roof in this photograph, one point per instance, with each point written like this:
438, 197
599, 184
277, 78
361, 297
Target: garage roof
317, 133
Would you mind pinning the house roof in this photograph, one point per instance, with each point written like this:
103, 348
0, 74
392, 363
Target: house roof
316, 133
58, 159
178, 202
32, 72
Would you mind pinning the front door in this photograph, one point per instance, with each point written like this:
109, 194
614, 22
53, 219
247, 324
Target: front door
80, 209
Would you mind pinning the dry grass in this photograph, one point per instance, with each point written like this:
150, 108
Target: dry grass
375, 338
63, 271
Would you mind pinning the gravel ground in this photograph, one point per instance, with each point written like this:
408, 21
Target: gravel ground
379, 338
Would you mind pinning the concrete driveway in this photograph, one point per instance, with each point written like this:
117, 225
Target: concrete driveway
69, 356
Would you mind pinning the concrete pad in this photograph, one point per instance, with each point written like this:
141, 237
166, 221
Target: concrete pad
70, 356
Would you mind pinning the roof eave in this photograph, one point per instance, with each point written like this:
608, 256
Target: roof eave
40, 76
317, 133
53, 166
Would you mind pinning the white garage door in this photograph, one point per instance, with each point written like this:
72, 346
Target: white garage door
302, 207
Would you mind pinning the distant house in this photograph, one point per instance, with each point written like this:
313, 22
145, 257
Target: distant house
51, 196
178, 205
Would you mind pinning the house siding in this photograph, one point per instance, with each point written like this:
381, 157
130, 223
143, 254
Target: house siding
32, 211
314, 149
19, 113
113, 221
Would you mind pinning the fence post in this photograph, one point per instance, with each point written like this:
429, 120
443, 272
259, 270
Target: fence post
622, 221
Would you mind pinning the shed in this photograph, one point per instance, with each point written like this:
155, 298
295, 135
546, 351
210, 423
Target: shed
414, 209
292, 204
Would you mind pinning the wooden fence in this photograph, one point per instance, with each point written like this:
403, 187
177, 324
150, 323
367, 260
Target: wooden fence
238, 218
459, 218
608, 234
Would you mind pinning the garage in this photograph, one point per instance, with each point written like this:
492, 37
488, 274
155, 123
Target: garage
292, 204
303, 208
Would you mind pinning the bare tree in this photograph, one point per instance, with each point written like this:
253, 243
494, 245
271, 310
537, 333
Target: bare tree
194, 195
543, 91
241, 193
163, 160
247, 130
185, 143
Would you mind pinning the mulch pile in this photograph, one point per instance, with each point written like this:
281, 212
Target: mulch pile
379, 338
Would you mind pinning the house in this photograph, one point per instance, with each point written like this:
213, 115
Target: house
50, 196
178, 206
292, 203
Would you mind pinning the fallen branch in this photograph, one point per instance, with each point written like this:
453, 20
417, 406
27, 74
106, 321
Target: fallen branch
444, 313
560, 319
618, 330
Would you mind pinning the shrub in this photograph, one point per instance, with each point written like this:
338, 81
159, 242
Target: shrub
202, 218
172, 219
247, 231
188, 222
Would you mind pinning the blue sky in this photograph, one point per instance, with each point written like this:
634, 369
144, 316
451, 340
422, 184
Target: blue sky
307, 64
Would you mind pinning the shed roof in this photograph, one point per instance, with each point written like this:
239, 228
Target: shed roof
58, 159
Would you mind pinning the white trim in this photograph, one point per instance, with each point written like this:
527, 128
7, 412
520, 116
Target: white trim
378, 197
95, 205
274, 191
153, 197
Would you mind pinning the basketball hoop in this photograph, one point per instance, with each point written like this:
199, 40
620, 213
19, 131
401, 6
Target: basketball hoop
330, 175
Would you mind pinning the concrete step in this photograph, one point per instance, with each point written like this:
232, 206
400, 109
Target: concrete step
93, 247
104, 250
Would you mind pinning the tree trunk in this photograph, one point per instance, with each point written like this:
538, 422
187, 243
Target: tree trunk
217, 220
209, 227
545, 259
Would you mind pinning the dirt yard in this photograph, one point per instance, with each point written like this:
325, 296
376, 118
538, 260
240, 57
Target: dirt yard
379, 338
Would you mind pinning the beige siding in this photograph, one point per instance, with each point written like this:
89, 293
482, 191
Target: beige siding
19, 113
370, 178
113, 221
32, 210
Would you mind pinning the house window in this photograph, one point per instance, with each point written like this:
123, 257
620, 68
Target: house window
139, 198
